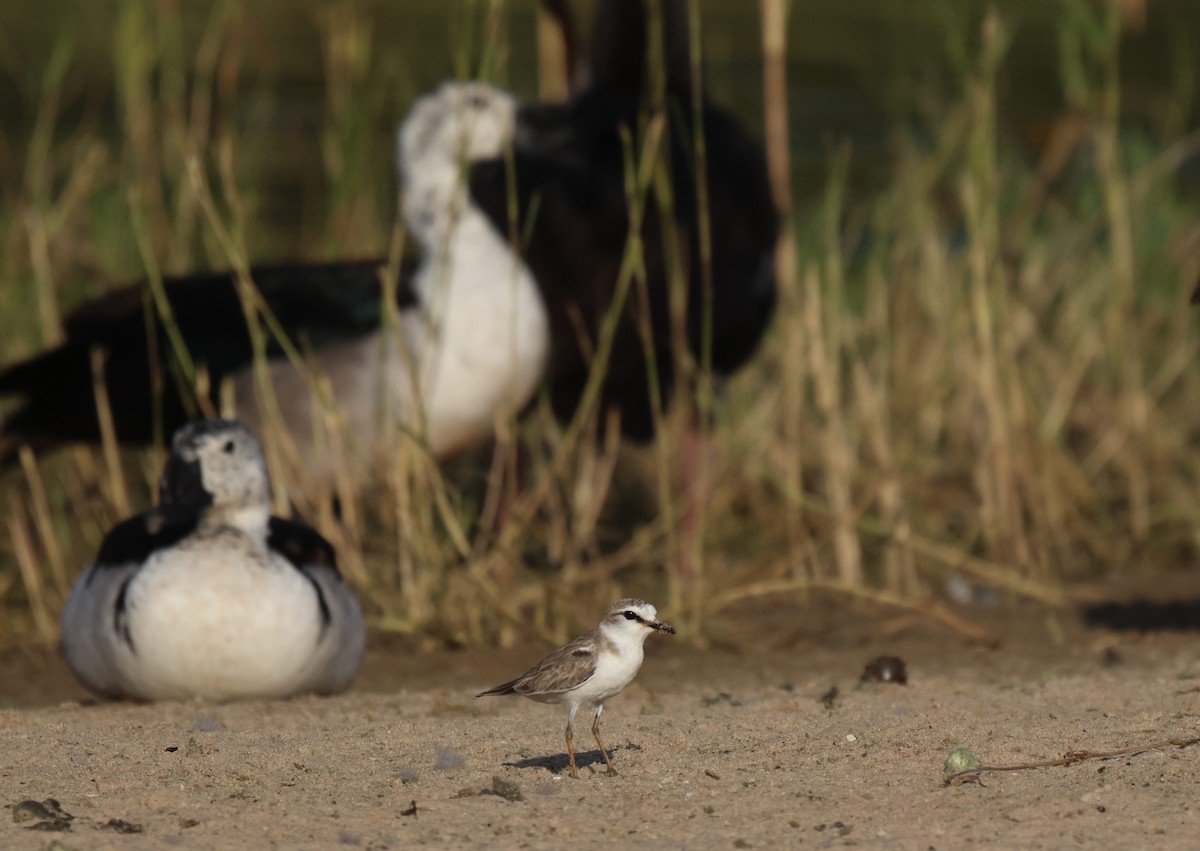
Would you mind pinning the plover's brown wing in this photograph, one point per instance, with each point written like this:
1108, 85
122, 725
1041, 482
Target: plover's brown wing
567, 667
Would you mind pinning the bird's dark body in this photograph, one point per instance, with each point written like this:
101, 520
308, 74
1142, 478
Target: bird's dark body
315, 305
569, 180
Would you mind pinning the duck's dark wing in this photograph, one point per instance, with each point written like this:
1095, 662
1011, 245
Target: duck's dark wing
315, 305
95, 630
124, 550
339, 650
133, 541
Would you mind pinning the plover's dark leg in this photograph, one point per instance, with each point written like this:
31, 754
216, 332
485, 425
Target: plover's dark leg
571, 751
571, 739
596, 733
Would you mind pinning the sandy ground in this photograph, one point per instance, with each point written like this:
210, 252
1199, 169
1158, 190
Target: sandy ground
716, 748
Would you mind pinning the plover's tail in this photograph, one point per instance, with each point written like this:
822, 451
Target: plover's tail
509, 687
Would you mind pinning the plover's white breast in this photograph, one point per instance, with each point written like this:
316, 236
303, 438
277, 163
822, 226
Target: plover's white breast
618, 659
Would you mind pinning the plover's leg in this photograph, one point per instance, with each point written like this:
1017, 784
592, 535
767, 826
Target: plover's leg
596, 733
571, 739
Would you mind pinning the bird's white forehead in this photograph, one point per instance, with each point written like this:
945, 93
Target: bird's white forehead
647, 611
192, 438
230, 457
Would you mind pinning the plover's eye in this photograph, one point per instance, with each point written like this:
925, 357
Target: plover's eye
228, 447
630, 616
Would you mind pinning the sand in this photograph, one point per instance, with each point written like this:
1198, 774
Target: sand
730, 746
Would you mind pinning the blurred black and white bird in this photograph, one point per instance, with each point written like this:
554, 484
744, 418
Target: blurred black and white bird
469, 349
209, 596
484, 331
706, 232
569, 177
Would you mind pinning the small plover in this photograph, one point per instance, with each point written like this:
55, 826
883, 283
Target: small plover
207, 595
589, 670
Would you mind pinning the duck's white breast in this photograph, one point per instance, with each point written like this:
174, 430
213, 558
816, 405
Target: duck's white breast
219, 617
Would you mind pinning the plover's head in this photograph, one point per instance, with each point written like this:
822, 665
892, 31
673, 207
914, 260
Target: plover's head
631, 615
215, 463
444, 132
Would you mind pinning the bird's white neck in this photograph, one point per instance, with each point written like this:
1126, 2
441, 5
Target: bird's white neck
434, 205
626, 640
252, 520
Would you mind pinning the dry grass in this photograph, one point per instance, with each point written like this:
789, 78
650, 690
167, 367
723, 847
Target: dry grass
987, 369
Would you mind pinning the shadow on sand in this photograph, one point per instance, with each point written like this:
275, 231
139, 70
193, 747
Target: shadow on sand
560, 764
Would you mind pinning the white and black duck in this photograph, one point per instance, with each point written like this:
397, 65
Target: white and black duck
569, 169
470, 347
209, 596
